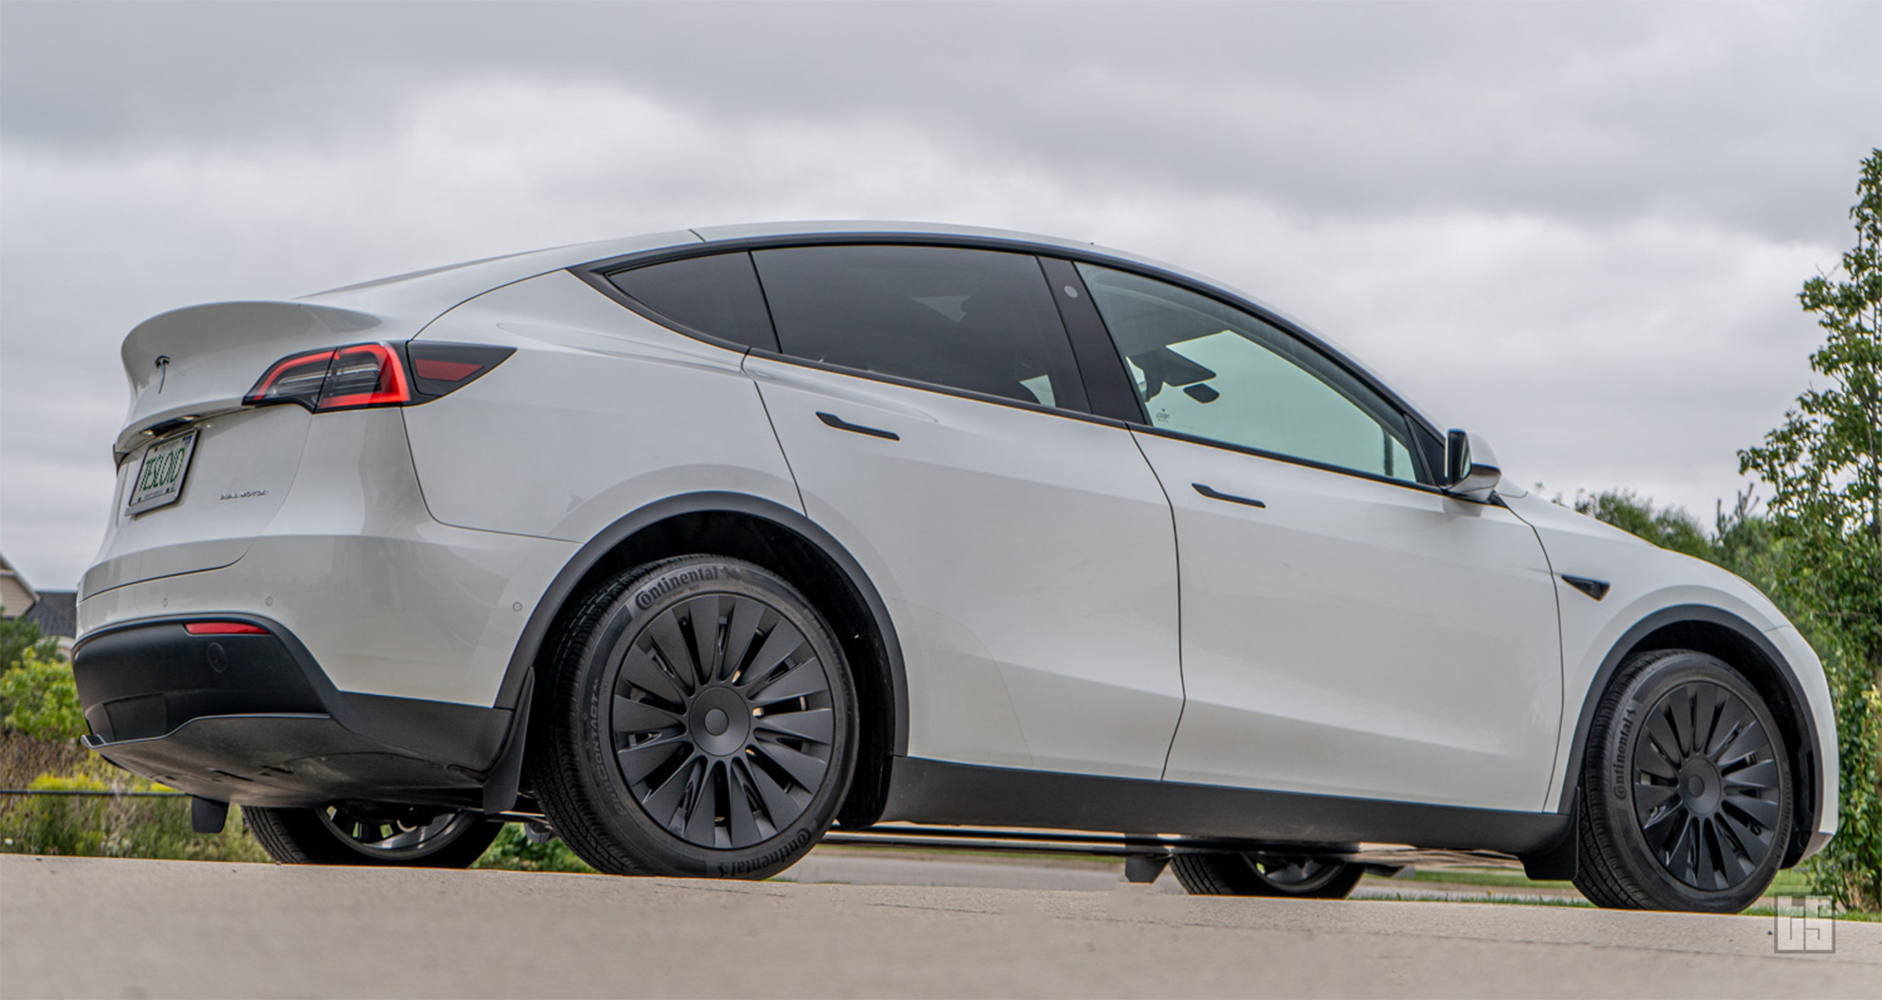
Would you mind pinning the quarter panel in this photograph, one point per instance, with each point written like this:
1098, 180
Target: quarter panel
599, 412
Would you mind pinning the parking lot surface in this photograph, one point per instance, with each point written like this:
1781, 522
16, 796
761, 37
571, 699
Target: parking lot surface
120, 928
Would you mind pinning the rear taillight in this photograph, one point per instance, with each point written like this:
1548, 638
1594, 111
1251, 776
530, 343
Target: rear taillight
363, 375
292, 380
441, 368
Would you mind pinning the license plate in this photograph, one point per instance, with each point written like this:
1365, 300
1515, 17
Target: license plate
160, 477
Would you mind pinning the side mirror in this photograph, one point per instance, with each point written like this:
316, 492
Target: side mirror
1470, 467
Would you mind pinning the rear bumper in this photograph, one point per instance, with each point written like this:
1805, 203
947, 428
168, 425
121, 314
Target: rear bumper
252, 719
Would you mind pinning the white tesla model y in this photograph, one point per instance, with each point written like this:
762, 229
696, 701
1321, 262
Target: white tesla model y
695, 544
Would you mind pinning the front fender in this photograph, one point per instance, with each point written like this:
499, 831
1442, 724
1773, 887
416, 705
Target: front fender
1656, 598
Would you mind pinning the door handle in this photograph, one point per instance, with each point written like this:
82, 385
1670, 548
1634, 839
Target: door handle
839, 423
1215, 494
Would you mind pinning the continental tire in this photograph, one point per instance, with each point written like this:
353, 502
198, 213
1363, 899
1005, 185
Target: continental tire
1685, 789
395, 836
700, 721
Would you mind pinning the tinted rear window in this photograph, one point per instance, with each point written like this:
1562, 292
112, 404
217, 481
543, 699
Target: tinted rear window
716, 295
968, 319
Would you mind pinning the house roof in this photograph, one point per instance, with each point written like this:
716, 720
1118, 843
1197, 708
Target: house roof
16, 594
56, 613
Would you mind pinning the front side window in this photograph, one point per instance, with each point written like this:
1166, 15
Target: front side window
966, 319
716, 295
1205, 369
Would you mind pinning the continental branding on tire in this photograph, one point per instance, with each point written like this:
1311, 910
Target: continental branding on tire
668, 584
1621, 759
795, 844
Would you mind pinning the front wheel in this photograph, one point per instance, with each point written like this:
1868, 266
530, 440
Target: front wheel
1300, 876
396, 836
1685, 789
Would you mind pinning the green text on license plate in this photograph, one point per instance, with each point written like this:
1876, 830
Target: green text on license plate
160, 477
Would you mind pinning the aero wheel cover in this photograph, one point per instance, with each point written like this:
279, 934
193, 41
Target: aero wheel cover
721, 720
396, 839
1295, 873
1705, 785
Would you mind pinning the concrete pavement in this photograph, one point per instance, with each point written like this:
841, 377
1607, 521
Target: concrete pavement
122, 928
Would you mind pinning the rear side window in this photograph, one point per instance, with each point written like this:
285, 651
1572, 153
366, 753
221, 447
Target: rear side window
967, 319
716, 295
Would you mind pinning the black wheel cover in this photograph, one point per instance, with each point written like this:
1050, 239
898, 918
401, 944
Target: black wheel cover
1705, 786
1296, 874
406, 837
722, 720
1261, 873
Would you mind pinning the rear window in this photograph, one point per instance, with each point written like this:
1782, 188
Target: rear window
978, 320
716, 295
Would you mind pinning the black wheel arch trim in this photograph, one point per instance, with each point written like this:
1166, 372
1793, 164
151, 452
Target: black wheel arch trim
564, 587
1809, 782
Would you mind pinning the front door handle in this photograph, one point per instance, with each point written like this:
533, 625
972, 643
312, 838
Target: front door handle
1214, 494
839, 423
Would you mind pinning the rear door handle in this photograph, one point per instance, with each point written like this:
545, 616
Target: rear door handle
1214, 494
839, 423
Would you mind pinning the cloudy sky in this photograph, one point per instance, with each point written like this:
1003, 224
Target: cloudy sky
1575, 229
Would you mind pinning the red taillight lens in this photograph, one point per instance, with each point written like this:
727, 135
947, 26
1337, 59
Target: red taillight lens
296, 379
362, 375
224, 628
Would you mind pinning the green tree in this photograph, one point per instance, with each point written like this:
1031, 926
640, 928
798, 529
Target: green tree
1668, 527
1742, 541
1824, 468
17, 636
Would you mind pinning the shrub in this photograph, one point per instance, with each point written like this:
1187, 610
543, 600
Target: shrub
38, 698
116, 826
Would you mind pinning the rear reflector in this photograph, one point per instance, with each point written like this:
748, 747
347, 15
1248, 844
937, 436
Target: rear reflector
363, 375
224, 628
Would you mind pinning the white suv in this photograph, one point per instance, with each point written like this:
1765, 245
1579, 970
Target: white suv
696, 543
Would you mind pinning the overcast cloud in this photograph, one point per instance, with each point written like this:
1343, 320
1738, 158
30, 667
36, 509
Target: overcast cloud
1578, 230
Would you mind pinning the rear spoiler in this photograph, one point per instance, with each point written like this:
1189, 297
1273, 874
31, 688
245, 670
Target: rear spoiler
200, 360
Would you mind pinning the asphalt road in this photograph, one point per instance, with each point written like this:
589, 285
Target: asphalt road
119, 928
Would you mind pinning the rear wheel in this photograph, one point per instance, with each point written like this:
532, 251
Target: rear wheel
1685, 789
1302, 876
702, 722
400, 836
